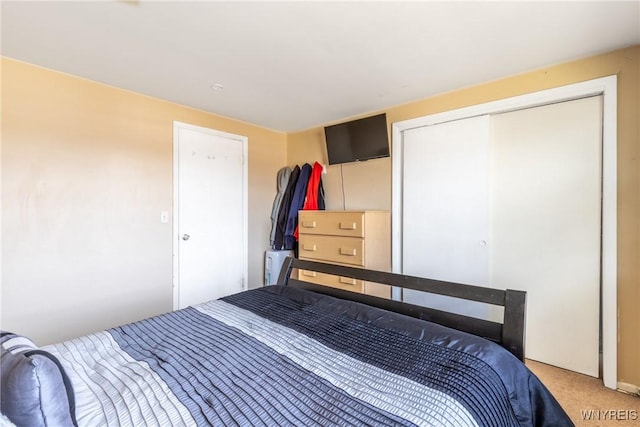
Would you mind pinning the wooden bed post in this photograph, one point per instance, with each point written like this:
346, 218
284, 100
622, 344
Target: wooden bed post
513, 331
285, 271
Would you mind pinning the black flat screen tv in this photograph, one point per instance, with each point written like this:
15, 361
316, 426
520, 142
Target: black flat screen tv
357, 140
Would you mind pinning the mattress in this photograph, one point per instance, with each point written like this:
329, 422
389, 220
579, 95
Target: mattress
280, 356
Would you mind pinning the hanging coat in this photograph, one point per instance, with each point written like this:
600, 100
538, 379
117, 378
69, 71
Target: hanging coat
313, 192
297, 201
283, 212
283, 179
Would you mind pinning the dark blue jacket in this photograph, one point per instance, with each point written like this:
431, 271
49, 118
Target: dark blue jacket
283, 213
297, 201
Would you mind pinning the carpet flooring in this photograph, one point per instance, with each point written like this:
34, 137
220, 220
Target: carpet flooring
586, 400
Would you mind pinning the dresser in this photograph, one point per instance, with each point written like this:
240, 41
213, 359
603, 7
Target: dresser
350, 238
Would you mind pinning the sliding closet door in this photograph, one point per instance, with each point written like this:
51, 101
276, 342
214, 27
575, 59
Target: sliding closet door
546, 225
513, 201
445, 179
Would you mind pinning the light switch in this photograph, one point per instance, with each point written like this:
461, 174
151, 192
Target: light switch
164, 217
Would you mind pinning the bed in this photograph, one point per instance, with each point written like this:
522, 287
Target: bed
293, 354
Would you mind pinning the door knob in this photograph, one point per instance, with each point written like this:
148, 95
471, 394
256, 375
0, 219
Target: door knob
185, 237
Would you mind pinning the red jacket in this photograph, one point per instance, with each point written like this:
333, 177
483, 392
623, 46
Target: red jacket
311, 198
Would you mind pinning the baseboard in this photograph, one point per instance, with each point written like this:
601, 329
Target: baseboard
629, 388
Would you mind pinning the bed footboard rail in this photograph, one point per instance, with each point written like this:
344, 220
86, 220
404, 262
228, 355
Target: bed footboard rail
510, 333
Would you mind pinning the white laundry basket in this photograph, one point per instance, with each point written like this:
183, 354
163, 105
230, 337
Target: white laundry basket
273, 261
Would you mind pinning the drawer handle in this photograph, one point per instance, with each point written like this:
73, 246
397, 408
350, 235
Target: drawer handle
308, 247
348, 251
309, 273
347, 225
308, 224
347, 280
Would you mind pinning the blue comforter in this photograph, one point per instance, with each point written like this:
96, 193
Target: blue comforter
280, 356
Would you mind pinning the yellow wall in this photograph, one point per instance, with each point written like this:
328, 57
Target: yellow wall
368, 185
86, 171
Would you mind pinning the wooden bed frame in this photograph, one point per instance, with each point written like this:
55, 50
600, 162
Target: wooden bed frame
509, 334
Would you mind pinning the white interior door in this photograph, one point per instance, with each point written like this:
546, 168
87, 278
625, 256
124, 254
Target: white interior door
210, 208
604, 137
445, 210
528, 183
546, 225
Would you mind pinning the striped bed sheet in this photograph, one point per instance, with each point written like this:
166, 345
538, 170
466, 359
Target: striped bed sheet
279, 356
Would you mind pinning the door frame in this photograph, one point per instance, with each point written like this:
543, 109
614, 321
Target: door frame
177, 126
605, 86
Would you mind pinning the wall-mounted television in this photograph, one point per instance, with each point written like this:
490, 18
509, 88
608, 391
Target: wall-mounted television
357, 140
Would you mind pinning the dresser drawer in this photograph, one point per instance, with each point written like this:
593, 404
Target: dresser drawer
346, 283
343, 250
342, 223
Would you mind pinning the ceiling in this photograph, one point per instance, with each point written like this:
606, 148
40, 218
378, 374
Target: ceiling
291, 66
